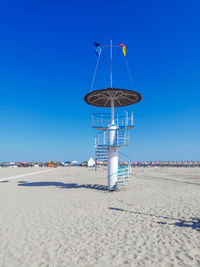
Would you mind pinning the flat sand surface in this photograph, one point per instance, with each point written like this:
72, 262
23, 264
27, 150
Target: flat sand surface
66, 217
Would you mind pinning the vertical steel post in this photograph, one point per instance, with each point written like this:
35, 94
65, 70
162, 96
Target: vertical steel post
112, 112
111, 63
112, 152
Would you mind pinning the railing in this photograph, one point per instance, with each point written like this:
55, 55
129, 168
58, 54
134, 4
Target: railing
121, 138
102, 120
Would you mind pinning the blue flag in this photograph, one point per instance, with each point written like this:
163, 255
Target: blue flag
97, 49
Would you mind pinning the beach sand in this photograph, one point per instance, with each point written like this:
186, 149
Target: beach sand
66, 217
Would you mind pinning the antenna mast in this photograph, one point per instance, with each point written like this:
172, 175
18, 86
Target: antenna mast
111, 63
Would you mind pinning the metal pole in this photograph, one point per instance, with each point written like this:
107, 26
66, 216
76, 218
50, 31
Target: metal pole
111, 63
112, 112
112, 150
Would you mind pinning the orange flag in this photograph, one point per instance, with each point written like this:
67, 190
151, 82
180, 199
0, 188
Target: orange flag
123, 49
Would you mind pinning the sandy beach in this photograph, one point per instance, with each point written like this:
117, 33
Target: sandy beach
66, 217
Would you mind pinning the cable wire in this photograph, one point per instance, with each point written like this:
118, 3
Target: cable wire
133, 86
95, 71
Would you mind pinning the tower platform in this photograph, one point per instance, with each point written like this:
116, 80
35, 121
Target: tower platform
123, 121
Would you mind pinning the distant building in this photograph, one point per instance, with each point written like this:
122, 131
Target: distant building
91, 162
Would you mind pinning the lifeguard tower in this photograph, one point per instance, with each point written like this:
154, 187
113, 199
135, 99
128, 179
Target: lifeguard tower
114, 127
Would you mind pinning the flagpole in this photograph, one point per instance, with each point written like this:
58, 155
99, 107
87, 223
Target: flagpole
111, 63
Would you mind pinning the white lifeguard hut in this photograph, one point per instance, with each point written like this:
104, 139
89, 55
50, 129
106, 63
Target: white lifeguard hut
113, 126
91, 162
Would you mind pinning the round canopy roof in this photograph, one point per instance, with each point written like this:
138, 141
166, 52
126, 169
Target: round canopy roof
121, 97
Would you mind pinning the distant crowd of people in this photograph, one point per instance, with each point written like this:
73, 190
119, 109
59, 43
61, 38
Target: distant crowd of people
166, 164
143, 164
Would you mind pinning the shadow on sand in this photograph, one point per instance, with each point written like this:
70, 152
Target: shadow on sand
193, 223
66, 186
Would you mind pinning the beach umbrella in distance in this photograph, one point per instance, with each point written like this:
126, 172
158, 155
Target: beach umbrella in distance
24, 162
85, 162
51, 163
75, 163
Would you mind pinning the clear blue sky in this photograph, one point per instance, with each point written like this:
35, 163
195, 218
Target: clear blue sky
47, 61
